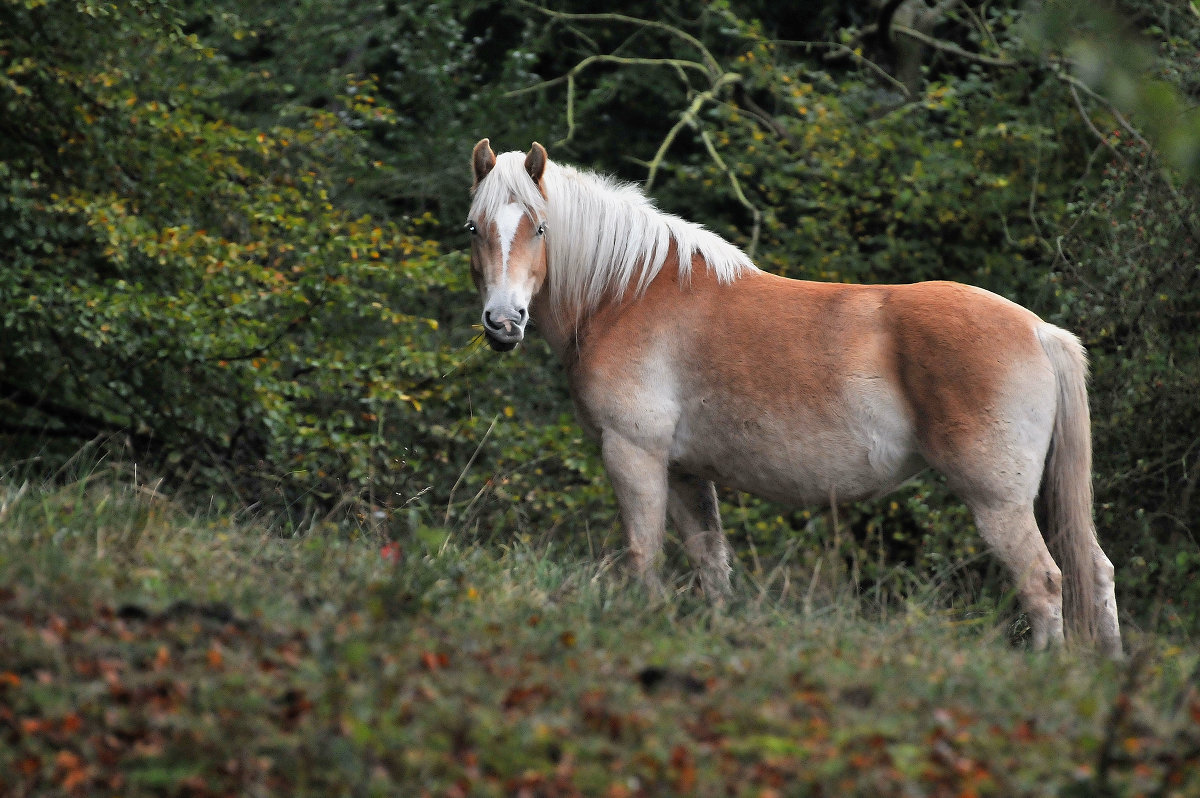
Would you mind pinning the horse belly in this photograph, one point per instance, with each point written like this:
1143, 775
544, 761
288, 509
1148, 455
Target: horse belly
797, 453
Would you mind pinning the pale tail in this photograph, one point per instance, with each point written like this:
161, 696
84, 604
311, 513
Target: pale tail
1089, 606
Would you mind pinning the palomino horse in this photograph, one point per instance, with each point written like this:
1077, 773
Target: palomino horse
692, 366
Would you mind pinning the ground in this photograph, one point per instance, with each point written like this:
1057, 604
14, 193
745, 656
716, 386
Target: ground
145, 651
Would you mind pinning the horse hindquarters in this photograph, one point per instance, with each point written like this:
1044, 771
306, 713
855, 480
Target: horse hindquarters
1032, 437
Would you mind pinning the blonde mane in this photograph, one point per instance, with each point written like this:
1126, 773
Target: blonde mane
602, 236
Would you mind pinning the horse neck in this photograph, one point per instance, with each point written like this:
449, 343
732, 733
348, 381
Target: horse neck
566, 330
557, 328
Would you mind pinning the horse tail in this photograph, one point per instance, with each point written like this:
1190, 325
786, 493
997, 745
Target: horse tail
1066, 499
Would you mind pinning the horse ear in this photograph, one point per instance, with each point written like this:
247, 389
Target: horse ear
535, 162
482, 160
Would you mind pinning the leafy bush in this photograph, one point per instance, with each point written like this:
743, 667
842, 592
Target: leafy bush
192, 282
1129, 275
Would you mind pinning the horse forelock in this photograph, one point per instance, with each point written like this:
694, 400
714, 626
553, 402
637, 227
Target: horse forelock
508, 183
604, 237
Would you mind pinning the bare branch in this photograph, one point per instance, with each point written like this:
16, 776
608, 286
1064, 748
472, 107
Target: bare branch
711, 63
1087, 120
980, 24
737, 191
954, 49
760, 114
839, 50
685, 119
688, 117
677, 63
1108, 106
718, 79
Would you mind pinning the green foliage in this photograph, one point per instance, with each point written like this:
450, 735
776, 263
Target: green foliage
934, 190
418, 81
1129, 275
193, 282
1153, 88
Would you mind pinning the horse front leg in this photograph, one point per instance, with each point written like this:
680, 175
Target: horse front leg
639, 479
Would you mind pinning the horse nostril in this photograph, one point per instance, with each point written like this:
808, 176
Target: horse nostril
504, 320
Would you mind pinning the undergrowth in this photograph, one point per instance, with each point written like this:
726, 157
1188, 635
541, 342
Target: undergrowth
149, 651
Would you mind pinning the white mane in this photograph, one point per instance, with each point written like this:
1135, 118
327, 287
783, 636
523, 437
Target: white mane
602, 236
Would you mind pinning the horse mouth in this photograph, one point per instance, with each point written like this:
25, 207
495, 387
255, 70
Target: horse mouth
499, 344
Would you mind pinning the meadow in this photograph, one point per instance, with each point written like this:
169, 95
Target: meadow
149, 650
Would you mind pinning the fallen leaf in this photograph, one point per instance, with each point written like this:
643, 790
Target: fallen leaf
67, 760
71, 723
685, 769
519, 696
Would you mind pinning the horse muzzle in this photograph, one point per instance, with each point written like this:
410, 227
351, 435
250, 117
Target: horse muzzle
503, 331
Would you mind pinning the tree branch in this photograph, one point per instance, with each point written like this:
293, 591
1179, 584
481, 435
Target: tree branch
737, 191
711, 63
839, 50
954, 49
678, 63
743, 99
719, 80
1108, 106
687, 118
1087, 120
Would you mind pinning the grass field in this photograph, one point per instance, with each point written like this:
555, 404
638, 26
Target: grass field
144, 651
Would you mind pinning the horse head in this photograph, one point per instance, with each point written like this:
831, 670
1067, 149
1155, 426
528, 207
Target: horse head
508, 239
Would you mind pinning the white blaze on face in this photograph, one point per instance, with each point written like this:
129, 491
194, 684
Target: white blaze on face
507, 221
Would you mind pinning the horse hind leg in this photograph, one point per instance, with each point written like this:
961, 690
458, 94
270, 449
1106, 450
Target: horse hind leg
639, 479
692, 507
1108, 633
1011, 532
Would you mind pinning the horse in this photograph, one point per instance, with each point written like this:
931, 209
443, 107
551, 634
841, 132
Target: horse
691, 367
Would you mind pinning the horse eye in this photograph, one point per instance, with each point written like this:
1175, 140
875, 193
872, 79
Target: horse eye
472, 229
541, 231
